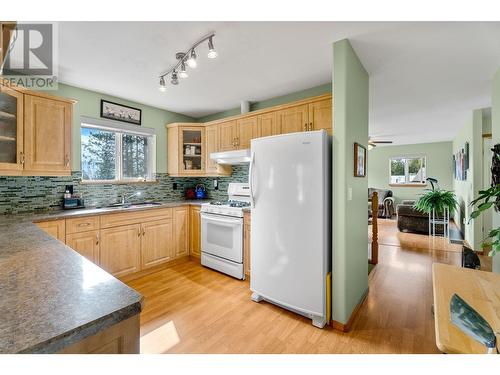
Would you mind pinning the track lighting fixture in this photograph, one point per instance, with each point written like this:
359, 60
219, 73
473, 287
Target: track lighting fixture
192, 59
182, 71
212, 53
174, 80
162, 86
187, 58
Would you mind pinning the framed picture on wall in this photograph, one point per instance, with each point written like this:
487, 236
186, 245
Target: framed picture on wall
359, 160
120, 112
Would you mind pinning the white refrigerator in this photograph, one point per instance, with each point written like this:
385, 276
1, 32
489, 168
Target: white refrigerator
290, 190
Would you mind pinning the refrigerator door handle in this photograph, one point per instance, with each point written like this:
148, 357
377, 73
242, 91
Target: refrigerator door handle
250, 180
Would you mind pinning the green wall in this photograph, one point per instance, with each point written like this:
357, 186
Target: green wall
495, 129
439, 166
467, 190
89, 105
350, 220
304, 94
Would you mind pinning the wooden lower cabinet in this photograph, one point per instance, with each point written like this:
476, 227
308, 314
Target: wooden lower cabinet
120, 249
181, 231
246, 243
85, 243
121, 338
194, 231
56, 228
157, 245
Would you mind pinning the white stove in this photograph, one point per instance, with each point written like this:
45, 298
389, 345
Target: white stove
239, 198
222, 231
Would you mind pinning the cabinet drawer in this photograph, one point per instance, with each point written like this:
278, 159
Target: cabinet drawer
82, 224
135, 217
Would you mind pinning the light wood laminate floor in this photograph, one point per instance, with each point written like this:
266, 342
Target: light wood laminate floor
192, 309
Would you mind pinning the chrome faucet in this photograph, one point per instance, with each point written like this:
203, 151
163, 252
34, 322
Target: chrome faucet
126, 197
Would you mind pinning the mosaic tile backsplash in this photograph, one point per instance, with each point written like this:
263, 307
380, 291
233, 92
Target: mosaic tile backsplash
32, 194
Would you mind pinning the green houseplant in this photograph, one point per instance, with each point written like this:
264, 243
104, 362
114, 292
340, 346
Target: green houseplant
487, 199
438, 200
490, 198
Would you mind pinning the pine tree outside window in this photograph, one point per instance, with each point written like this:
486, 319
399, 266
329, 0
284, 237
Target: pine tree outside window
115, 153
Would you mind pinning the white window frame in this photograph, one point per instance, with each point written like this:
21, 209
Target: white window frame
121, 128
407, 172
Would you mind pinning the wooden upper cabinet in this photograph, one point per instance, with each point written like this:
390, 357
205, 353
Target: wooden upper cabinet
248, 128
181, 231
293, 119
56, 228
85, 243
47, 136
195, 231
268, 124
157, 245
11, 130
228, 134
120, 249
211, 145
320, 115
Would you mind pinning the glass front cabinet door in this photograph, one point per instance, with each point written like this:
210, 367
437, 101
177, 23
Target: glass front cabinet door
11, 131
193, 158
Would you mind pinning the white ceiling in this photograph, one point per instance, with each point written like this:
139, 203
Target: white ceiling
424, 77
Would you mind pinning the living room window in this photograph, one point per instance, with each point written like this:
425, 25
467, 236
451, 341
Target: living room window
407, 170
116, 152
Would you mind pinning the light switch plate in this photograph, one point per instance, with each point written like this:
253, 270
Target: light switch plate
349, 193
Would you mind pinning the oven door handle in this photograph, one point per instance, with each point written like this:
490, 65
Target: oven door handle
221, 220
250, 179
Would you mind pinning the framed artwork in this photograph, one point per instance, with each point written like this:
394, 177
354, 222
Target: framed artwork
359, 160
466, 156
120, 112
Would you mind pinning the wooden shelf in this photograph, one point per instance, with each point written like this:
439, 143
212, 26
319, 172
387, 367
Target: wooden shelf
192, 156
7, 115
7, 139
192, 144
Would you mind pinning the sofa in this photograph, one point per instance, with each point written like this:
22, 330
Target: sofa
411, 220
385, 202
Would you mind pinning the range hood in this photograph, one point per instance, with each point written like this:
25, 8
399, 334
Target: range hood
237, 157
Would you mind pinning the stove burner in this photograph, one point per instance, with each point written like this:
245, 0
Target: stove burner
239, 204
217, 203
231, 203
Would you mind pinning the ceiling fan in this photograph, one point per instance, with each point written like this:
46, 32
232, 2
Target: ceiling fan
373, 143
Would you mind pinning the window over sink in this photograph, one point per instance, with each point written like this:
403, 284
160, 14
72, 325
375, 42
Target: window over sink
407, 170
116, 152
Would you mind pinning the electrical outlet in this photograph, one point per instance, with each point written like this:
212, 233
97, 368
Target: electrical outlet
216, 184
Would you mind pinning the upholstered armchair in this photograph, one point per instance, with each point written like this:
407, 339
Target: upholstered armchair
385, 203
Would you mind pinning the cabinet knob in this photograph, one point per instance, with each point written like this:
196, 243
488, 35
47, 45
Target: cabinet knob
21, 157
305, 127
97, 239
66, 160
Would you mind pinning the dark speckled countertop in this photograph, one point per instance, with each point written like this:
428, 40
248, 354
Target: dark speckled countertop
51, 296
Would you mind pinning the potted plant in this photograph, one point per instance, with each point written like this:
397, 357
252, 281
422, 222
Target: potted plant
490, 198
437, 200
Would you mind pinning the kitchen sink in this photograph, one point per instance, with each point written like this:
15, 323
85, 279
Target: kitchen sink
132, 205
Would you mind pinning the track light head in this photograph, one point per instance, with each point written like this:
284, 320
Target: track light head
212, 53
175, 79
182, 71
163, 86
191, 61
